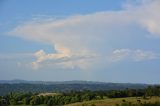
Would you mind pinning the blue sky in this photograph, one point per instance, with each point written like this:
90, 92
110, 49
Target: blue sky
59, 40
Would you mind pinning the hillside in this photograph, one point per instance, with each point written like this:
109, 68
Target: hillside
149, 96
116, 101
42, 86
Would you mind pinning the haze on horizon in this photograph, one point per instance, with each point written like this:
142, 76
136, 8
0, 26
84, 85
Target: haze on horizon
59, 40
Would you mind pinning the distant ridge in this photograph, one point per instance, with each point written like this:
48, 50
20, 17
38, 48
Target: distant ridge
7, 86
19, 81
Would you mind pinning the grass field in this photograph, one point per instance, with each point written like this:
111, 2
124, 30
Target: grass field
49, 94
114, 101
110, 101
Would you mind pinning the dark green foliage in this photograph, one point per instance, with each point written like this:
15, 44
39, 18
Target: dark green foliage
13, 102
117, 105
123, 100
35, 100
50, 102
79, 96
34, 88
26, 100
93, 105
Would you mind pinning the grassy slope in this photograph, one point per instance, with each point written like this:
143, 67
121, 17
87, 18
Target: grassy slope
49, 94
112, 102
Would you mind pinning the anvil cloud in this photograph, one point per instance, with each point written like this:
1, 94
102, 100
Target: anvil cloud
78, 40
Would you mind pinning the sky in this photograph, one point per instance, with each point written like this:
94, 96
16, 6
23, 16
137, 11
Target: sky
62, 40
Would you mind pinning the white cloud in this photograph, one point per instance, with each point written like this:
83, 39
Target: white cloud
62, 58
61, 53
42, 56
134, 55
149, 17
87, 35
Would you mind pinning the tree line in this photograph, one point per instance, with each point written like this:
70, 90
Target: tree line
63, 87
19, 98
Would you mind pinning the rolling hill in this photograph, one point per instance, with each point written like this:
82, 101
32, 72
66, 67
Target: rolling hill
7, 86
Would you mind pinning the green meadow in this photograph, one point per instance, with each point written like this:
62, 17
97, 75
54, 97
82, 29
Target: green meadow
116, 101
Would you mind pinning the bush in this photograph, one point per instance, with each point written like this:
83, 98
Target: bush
93, 105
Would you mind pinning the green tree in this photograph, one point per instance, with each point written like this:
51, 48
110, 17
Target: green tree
26, 100
67, 99
50, 102
86, 97
35, 100
13, 102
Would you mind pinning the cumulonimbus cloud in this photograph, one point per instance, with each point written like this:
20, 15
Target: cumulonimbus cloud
88, 35
63, 58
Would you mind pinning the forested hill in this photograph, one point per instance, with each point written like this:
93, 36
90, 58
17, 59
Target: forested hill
42, 86
17, 81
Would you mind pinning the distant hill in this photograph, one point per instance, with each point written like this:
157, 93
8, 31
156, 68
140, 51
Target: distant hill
7, 86
17, 81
